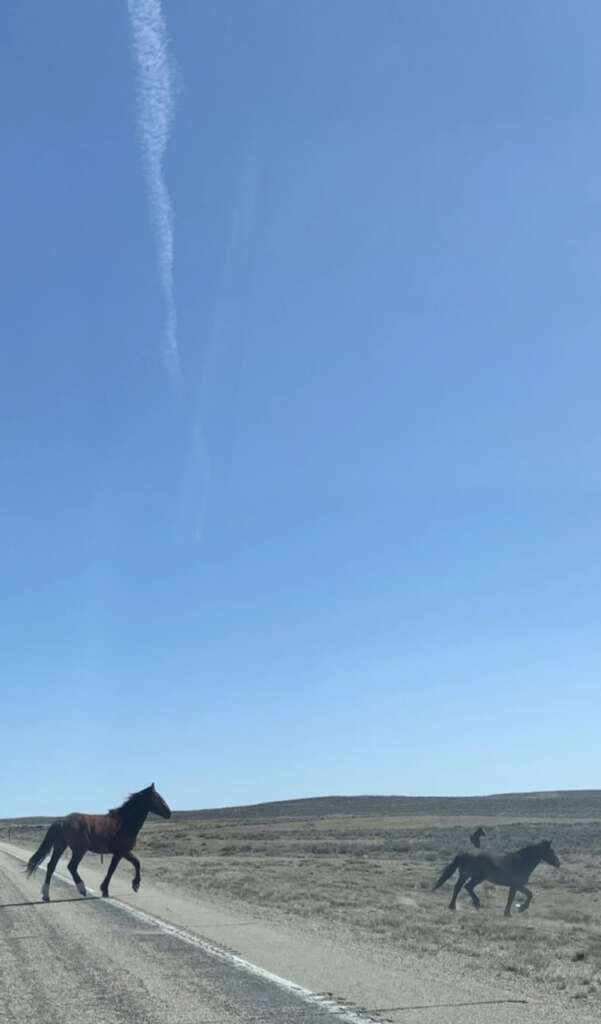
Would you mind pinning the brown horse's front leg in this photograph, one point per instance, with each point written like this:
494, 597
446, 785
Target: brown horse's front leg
510, 899
136, 863
104, 888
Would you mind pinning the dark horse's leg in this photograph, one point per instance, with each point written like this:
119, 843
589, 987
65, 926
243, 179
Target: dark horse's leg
136, 863
510, 899
104, 888
470, 886
59, 848
73, 865
458, 887
524, 906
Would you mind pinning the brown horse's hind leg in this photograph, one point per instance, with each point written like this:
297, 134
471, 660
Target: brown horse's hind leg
458, 887
136, 863
73, 865
59, 849
104, 888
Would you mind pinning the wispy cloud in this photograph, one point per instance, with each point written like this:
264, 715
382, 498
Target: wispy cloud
155, 113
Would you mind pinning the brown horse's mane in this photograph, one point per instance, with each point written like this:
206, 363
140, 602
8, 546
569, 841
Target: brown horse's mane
129, 804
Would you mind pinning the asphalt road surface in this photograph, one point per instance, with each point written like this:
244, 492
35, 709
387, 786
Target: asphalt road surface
75, 960
114, 961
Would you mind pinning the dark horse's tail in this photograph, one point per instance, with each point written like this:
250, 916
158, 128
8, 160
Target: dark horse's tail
44, 849
449, 870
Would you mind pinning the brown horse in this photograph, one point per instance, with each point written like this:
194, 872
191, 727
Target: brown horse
115, 832
512, 870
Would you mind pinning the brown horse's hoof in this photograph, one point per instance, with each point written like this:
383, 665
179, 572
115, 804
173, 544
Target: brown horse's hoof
135, 886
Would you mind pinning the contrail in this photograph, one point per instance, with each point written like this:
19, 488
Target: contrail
155, 112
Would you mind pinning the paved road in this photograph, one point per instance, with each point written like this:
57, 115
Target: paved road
77, 960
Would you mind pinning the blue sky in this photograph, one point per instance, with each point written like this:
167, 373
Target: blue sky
342, 536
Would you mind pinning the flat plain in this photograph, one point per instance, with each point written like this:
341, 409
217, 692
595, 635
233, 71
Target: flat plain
364, 867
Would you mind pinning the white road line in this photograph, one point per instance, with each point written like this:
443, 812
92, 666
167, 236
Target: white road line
341, 1013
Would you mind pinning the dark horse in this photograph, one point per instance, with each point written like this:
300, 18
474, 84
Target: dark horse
512, 870
477, 836
115, 832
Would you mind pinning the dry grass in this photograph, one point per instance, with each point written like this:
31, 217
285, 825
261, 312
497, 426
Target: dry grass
373, 875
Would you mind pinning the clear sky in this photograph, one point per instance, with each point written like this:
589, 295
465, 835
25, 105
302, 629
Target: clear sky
301, 428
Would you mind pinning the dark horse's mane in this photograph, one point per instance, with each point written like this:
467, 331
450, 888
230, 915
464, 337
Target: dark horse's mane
129, 804
526, 849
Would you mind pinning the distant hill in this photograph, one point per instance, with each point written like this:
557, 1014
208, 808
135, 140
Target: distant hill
34, 822
566, 804
575, 803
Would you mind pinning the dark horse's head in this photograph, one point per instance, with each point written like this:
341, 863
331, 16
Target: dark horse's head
548, 853
155, 802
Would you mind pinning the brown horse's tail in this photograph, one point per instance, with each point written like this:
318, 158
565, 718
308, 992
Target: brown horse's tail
43, 850
449, 870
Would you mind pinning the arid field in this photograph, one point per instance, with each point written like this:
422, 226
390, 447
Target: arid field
365, 866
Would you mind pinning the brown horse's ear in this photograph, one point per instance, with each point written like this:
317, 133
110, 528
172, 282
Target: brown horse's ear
152, 785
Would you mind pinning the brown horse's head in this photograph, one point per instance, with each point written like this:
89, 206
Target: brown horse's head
548, 853
156, 804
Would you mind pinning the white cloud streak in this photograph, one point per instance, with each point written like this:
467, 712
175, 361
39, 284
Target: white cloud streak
155, 113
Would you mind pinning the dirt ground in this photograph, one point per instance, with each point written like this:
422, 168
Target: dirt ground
372, 876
